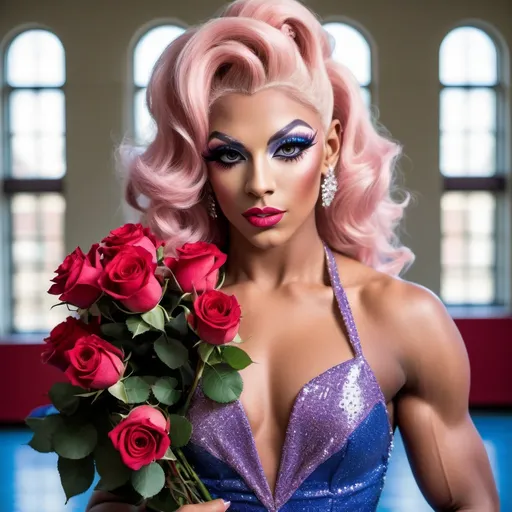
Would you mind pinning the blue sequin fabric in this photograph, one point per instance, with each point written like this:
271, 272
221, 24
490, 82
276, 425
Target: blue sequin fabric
336, 449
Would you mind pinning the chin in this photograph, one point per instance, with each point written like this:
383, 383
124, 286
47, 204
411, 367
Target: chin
268, 238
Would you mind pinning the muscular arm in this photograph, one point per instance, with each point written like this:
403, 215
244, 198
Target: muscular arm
445, 451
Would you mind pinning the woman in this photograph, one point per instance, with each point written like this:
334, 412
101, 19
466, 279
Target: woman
264, 146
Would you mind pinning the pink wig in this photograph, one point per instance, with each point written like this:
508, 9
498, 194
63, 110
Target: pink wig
246, 49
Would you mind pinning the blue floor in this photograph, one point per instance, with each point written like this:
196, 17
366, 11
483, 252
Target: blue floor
29, 481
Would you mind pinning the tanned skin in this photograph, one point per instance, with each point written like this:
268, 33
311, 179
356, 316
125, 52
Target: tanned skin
291, 325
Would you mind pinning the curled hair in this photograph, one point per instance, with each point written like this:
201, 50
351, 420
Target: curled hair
252, 46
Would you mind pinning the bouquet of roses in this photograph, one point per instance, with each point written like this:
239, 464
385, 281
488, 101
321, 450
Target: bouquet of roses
146, 331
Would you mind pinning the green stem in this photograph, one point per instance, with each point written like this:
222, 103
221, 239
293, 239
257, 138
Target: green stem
199, 372
202, 488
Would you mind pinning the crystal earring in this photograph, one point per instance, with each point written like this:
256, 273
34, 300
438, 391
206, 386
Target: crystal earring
329, 187
212, 207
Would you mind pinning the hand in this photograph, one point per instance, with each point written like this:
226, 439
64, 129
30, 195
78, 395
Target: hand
211, 506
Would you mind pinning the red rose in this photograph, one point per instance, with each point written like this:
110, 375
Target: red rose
197, 266
94, 363
130, 234
77, 278
63, 337
216, 317
142, 437
130, 278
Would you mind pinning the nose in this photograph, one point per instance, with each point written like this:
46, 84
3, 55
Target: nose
260, 180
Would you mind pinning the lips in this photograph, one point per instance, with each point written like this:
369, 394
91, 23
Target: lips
263, 217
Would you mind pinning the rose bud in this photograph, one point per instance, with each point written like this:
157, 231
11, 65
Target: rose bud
62, 338
94, 363
142, 437
130, 278
196, 267
216, 317
77, 278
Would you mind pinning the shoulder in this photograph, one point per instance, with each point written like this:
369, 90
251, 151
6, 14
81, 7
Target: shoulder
414, 321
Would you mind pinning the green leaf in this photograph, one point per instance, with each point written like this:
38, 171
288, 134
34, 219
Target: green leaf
116, 330
222, 277
148, 480
171, 352
63, 397
76, 476
163, 502
205, 350
160, 253
237, 339
150, 379
136, 325
118, 390
178, 326
169, 455
155, 318
215, 357
137, 390
165, 392
236, 357
110, 466
74, 441
43, 428
222, 383
181, 430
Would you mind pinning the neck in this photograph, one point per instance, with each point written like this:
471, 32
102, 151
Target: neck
299, 259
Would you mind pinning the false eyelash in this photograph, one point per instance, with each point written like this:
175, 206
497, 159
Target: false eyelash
302, 140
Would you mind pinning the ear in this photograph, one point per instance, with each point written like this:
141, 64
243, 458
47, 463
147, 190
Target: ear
332, 145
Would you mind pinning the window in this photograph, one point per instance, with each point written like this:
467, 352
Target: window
149, 47
472, 162
352, 49
33, 184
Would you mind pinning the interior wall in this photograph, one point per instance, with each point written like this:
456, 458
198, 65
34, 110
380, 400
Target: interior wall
98, 37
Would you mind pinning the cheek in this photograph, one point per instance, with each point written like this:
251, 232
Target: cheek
306, 177
226, 185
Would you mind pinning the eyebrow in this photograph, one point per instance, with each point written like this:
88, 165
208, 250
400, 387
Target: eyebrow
279, 134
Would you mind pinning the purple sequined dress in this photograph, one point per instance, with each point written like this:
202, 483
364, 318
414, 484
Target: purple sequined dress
336, 449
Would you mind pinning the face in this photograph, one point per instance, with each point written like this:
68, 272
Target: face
266, 155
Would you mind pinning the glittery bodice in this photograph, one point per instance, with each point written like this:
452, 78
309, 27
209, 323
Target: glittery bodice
336, 447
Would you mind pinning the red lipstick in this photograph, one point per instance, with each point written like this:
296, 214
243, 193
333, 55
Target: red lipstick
263, 217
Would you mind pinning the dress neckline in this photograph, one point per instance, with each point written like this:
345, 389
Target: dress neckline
346, 313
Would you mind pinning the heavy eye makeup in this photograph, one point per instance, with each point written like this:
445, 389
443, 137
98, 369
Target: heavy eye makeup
289, 149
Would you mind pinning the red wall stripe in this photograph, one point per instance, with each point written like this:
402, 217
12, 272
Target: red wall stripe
25, 381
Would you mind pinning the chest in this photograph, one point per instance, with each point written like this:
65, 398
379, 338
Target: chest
291, 337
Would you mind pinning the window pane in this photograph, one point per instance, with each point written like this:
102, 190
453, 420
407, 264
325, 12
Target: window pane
52, 154
473, 109
144, 126
149, 48
35, 58
352, 49
25, 157
468, 56
37, 250
468, 154
468, 247
37, 112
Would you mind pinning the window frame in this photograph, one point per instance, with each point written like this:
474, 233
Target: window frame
498, 184
10, 186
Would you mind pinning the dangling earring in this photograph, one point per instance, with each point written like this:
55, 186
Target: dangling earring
329, 187
212, 207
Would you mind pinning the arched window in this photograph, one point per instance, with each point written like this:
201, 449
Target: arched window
147, 50
472, 162
35, 134
352, 49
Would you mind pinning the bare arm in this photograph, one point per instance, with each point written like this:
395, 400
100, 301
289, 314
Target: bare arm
445, 451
